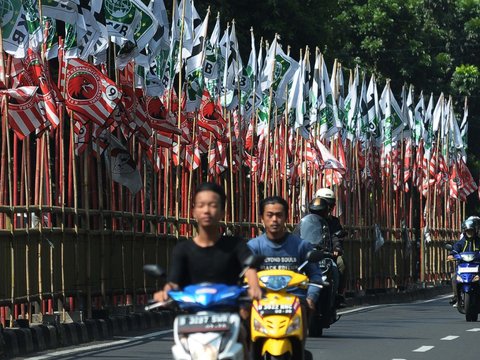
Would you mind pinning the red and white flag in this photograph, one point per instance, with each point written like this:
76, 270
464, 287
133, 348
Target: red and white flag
24, 114
210, 117
328, 160
87, 91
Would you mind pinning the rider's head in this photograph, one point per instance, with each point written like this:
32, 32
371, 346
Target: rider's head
274, 213
470, 228
319, 206
327, 195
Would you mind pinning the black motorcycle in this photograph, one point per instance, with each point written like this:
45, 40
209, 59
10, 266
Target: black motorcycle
314, 229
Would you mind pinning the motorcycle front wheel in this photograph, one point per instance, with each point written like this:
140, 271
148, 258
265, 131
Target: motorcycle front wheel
471, 313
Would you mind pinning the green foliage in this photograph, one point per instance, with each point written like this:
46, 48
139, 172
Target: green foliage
466, 80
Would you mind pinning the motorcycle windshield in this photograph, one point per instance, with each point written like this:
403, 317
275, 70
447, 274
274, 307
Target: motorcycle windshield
310, 228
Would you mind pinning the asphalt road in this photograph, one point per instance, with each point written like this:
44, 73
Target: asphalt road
426, 330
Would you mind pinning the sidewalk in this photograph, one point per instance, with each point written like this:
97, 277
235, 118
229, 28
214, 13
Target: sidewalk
27, 339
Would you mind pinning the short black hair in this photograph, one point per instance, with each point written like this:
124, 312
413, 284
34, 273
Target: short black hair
270, 200
209, 186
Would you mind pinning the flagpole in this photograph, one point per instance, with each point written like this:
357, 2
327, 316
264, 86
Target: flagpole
178, 171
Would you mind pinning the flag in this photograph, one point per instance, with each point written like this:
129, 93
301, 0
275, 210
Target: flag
48, 94
24, 114
63, 10
373, 111
210, 117
468, 184
351, 106
121, 164
87, 91
284, 66
328, 160
14, 25
160, 119
211, 66
247, 83
91, 31
194, 69
328, 107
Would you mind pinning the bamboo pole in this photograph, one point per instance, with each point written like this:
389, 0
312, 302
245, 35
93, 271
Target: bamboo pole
179, 121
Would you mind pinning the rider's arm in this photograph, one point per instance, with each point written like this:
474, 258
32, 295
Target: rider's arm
458, 246
176, 274
312, 270
243, 252
254, 289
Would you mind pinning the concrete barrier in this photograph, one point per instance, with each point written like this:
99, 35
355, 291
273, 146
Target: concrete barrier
38, 336
11, 343
2, 344
92, 330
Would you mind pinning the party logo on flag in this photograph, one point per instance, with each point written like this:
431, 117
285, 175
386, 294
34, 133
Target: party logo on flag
83, 86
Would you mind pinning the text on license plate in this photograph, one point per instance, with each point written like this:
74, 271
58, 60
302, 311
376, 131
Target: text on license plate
275, 309
203, 323
468, 270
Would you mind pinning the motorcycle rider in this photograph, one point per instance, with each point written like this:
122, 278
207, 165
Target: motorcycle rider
314, 229
337, 233
282, 249
210, 256
469, 241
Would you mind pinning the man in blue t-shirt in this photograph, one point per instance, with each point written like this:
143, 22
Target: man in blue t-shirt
282, 249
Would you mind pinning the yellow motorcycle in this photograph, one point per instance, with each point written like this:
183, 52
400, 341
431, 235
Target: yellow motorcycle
277, 322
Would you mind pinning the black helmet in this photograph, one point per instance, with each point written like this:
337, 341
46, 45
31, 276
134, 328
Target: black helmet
470, 227
318, 204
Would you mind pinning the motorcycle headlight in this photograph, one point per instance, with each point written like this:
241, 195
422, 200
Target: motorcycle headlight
204, 347
276, 282
475, 278
468, 257
257, 325
294, 325
459, 278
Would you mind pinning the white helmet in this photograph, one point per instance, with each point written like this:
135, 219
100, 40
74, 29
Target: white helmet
327, 194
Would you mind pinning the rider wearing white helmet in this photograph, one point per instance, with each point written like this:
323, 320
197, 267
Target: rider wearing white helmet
337, 233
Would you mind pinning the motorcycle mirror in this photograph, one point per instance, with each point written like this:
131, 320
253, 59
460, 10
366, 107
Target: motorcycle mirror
448, 247
315, 256
254, 261
153, 270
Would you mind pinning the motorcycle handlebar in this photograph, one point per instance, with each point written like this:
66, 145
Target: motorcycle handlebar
158, 304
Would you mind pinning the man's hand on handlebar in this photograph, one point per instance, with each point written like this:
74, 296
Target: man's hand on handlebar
162, 295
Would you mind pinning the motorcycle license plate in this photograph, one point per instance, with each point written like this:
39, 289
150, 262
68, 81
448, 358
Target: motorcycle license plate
275, 309
468, 270
203, 323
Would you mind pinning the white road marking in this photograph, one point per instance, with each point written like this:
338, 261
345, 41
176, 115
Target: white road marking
440, 297
358, 309
399, 359
100, 346
368, 307
423, 348
449, 337
474, 329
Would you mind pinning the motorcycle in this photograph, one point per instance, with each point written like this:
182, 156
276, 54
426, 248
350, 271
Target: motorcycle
468, 287
326, 313
277, 321
209, 324
314, 229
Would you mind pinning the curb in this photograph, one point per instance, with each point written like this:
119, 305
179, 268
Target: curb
36, 338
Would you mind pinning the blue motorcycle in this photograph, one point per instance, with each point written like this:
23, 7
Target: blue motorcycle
208, 324
468, 287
